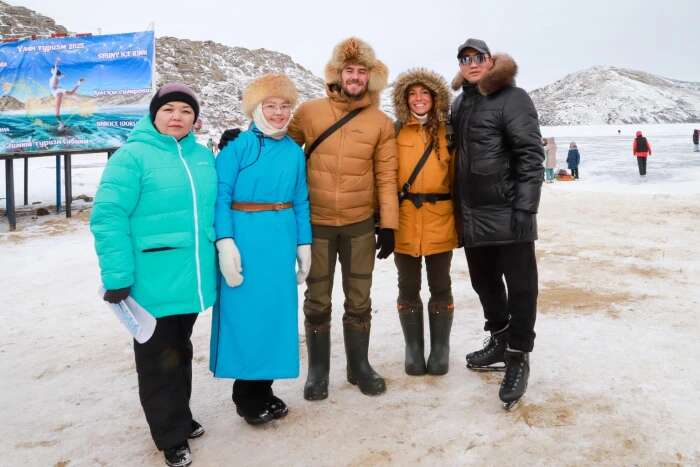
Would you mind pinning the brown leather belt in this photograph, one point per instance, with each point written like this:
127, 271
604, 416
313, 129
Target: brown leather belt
257, 207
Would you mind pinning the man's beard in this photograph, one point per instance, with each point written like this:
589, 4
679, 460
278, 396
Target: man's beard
356, 96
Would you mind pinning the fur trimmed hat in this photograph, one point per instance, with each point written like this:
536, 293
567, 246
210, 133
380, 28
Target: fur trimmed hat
270, 85
357, 51
435, 83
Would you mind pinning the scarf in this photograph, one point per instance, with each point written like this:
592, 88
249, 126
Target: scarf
265, 127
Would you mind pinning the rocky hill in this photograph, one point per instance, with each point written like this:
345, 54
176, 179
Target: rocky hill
610, 95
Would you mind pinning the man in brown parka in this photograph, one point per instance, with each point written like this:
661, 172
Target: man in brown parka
350, 174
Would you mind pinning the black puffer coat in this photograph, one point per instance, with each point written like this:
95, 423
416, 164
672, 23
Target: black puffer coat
499, 156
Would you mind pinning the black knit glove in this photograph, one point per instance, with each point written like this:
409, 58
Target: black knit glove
116, 295
227, 136
385, 243
521, 223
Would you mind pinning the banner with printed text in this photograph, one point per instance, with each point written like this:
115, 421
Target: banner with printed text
74, 93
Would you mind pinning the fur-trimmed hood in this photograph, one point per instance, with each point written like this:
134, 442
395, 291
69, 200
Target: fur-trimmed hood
270, 85
354, 50
500, 76
435, 83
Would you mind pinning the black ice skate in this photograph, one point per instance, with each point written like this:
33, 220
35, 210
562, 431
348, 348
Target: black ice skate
490, 358
514, 382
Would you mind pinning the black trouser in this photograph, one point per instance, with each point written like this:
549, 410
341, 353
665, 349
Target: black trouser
164, 366
488, 265
248, 394
574, 173
642, 163
439, 282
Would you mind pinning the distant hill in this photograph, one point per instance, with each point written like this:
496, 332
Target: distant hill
611, 95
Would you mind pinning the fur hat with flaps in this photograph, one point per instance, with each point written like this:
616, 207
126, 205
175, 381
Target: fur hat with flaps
432, 81
270, 85
356, 51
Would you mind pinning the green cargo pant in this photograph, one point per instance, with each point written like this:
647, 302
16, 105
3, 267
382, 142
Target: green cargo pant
409, 278
354, 246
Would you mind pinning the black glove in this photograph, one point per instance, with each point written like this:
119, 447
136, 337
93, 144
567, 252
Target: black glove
116, 295
385, 243
227, 136
521, 223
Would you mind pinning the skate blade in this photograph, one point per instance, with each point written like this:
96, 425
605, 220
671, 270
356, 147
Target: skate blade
484, 369
510, 406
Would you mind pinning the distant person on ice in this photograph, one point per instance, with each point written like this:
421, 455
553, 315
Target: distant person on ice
696, 139
58, 92
426, 217
641, 149
498, 183
573, 159
550, 148
153, 222
262, 227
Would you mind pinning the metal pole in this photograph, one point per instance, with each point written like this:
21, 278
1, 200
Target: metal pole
68, 181
26, 180
10, 193
58, 183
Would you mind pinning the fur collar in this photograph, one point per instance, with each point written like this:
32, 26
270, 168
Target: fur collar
431, 80
499, 77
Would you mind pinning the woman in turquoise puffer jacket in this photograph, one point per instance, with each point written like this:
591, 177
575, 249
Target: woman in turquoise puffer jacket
153, 222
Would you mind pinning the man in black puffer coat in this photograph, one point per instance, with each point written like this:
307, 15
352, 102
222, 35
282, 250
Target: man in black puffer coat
498, 180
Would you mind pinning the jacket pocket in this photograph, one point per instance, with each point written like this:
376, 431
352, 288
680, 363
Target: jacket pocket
163, 241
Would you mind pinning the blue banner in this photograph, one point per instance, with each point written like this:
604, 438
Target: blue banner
74, 93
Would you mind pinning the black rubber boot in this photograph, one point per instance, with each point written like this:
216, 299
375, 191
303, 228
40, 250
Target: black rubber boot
318, 347
440, 318
515, 380
411, 316
359, 371
488, 358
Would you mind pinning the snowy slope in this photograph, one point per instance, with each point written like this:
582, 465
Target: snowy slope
610, 95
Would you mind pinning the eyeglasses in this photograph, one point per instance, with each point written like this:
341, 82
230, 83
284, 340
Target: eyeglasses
272, 108
478, 59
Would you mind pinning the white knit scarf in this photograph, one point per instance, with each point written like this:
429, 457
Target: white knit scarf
265, 127
422, 119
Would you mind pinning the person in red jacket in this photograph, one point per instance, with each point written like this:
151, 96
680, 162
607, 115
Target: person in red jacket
641, 149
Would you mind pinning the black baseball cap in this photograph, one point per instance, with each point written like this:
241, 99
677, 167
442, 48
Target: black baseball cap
476, 44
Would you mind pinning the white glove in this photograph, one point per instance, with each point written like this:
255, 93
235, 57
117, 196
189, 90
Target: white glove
304, 261
230, 262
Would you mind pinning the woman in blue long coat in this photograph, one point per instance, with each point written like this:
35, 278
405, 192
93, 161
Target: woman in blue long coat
262, 225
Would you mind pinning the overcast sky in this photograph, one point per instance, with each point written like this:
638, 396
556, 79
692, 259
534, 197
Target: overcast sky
548, 38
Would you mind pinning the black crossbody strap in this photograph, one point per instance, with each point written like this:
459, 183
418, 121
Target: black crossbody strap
419, 166
330, 130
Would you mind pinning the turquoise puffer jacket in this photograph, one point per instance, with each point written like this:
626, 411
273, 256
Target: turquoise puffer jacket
153, 222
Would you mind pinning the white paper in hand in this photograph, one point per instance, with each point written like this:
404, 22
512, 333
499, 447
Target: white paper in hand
135, 319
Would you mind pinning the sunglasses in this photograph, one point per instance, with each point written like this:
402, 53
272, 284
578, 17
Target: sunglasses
478, 59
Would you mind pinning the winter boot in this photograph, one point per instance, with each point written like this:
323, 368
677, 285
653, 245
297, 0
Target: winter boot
359, 371
318, 347
178, 456
411, 317
514, 382
196, 431
486, 359
440, 320
251, 397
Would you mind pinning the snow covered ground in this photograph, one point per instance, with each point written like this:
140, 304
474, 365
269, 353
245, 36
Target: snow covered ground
614, 371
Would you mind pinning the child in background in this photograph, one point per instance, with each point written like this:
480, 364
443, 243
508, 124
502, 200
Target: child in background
573, 159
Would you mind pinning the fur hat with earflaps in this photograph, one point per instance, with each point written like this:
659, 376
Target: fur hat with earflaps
357, 51
270, 85
432, 81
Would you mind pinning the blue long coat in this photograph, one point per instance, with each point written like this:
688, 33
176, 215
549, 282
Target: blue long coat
573, 158
255, 325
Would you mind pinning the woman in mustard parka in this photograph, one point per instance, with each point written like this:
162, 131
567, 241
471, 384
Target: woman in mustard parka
426, 217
